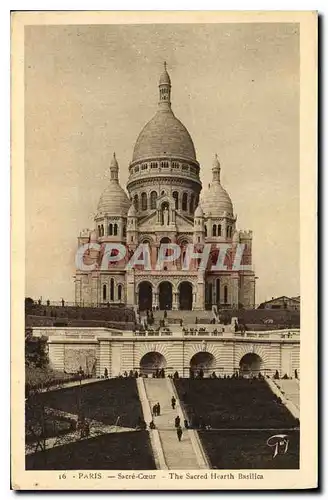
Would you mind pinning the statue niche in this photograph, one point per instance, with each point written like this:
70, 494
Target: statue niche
165, 214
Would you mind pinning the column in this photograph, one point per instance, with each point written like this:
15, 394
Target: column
175, 301
155, 297
235, 290
130, 288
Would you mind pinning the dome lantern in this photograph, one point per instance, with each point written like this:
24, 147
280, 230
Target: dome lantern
113, 169
164, 89
216, 170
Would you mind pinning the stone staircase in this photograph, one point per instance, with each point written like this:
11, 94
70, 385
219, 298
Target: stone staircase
188, 317
178, 455
290, 389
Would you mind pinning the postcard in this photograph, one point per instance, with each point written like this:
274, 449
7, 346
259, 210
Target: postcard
164, 199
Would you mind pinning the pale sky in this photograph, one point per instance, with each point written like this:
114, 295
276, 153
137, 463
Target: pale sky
91, 89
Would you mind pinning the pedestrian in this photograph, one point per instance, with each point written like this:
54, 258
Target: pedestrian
152, 425
179, 433
173, 401
158, 409
106, 373
186, 424
177, 421
155, 410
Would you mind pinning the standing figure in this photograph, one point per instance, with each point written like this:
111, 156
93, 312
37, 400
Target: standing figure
177, 421
158, 409
179, 433
155, 410
173, 401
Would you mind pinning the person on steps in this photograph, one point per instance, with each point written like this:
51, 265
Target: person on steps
158, 411
179, 433
155, 410
177, 421
173, 401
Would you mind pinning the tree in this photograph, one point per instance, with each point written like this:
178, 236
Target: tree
36, 351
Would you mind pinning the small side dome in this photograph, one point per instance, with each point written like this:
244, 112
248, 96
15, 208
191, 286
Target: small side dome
93, 236
132, 211
199, 212
235, 237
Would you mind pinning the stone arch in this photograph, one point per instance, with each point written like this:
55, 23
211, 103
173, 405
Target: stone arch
197, 347
151, 362
242, 350
145, 295
185, 291
145, 347
165, 294
202, 361
251, 364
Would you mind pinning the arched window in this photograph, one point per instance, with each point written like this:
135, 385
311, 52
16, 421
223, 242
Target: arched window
99, 230
205, 227
230, 235
115, 229
214, 230
119, 292
175, 195
225, 291
144, 201
104, 292
153, 200
102, 230
228, 228
191, 204
136, 202
184, 202
124, 231
110, 229
111, 289
219, 230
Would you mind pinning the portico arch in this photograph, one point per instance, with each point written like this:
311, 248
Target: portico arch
165, 295
145, 296
185, 296
250, 364
151, 362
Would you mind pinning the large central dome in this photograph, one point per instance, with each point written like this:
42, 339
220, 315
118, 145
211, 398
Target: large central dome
164, 134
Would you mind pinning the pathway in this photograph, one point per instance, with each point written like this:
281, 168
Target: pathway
177, 455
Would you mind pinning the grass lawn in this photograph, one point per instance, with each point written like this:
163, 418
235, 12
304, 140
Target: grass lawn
234, 403
123, 450
248, 450
104, 401
246, 411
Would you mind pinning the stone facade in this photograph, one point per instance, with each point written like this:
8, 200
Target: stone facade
163, 205
219, 350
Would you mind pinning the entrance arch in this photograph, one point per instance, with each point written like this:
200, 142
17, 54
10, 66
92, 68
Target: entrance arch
151, 362
145, 296
185, 296
250, 364
165, 295
204, 361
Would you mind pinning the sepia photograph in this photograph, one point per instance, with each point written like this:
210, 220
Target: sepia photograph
162, 283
